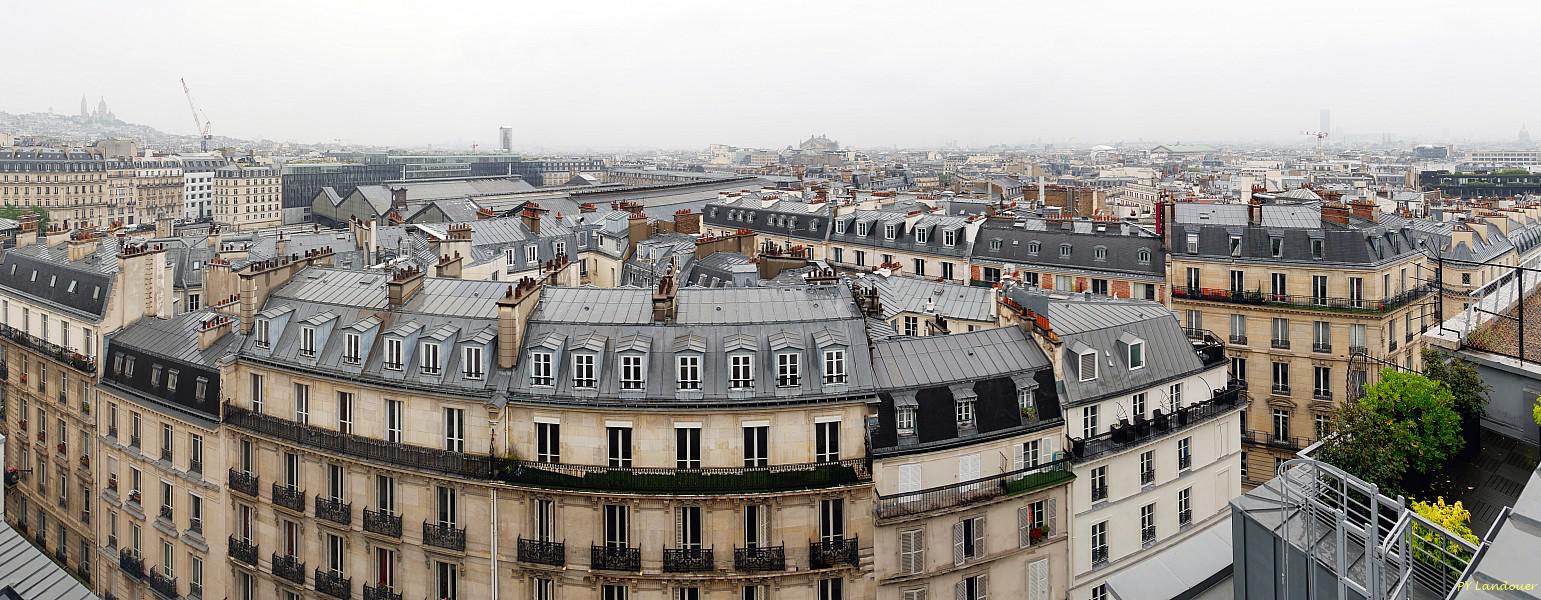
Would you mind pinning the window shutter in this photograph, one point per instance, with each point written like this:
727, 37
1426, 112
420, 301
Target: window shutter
979, 536
1024, 526
960, 591
909, 548
1088, 368
1038, 580
679, 527
957, 544
982, 587
1018, 456
1051, 516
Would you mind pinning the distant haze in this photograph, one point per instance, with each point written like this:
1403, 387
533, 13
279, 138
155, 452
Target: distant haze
599, 74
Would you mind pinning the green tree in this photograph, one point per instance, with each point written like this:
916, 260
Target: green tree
1404, 423
1432, 547
1535, 411
1465, 385
15, 213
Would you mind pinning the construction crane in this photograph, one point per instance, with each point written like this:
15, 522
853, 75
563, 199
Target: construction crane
1319, 135
200, 121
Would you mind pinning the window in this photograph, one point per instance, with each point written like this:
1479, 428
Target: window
350, 348
1143, 256
911, 325
1033, 247
950, 237
344, 412
831, 589
448, 507
1235, 245
1099, 545
195, 452
619, 438
544, 510
1174, 395
1321, 382
1281, 378
834, 366
455, 429
1089, 421
1281, 425
1278, 286
1148, 525
912, 551
1136, 356
831, 520
393, 410
1064, 250
256, 393
1321, 336
965, 412
448, 576
1184, 453
540, 368
583, 371
756, 446
1238, 281
307, 341
531, 253
1318, 248
968, 536
1137, 404
905, 420
1099, 483
171, 381
429, 362
617, 526
786, 369
1193, 243
471, 362
687, 527
548, 442
613, 591
861, 229
1088, 365
1147, 467
261, 333
1319, 289
890, 231
385, 494
1356, 338
1323, 426
689, 369
826, 441
922, 235
393, 354
1281, 333
1356, 292
1276, 246
741, 371
302, 403
1185, 503
631, 372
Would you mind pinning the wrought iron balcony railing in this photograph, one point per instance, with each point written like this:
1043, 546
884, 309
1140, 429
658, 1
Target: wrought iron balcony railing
444, 536
289, 567
665, 480
1099, 492
382, 522
1099, 556
380, 593
334, 510
333, 584
979, 490
1267, 438
131, 563
615, 558
1321, 347
1147, 476
1258, 298
73, 359
324, 440
165, 587
762, 558
826, 554
243, 482
243, 551
1124, 435
289, 497
688, 560
543, 552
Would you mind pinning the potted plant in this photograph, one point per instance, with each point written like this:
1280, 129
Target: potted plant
1037, 534
1029, 414
134, 496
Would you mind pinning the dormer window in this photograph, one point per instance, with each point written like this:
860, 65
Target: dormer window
262, 333
531, 252
839, 226
1143, 256
200, 388
583, 371
1088, 365
861, 229
1034, 247
905, 420
890, 231
995, 244
171, 380
307, 341
1100, 253
128, 366
540, 368
950, 237
1318, 247
1064, 250
471, 362
1276, 245
559, 248
1136, 356
741, 371
508, 256
965, 412
155, 376
688, 368
393, 354
922, 235
430, 359
1235, 245
631, 372
1193, 243
350, 348
787, 374
834, 366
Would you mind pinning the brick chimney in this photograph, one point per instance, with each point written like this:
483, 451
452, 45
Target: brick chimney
1335, 212
212, 329
637, 230
404, 283
530, 216
1255, 212
398, 198
587, 207
449, 266
687, 221
258, 279
514, 310
663, 300
82, 243
1364, 208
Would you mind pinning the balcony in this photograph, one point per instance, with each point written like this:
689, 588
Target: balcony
832, 553
1327, 348
662, 480
290, 568
542, 552
979, 490
615, 558
333, 584
71, 358
688, 560
165, 513
760, 559
163, 586
380, 593
1124, 435
334, 510
1358, 350
382, 522
85, 461
1147, 537
1391, 345
1267, 438
324, 440
1207, 345
1322, 395
131, 563
245, 483
288, 496
1099, 556
1258, 298
243, 551
1279, 344
1240, 340
1280, 389
444, 536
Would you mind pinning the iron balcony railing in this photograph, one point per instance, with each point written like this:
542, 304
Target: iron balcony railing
334, 510
615, 558
1147, 477
165, 587
1124, 434
333, 584
1239, 339
663, 480
131, 563
1208, 346
243, 482
759, 559
76, 360
380, 593
440, 461
688, 560
289, 497
1099, 556
940, 497
195, 466
1184, 518
243, 551
543, 552
1321, 347
1099, 492
289, 567
1267, 438
1278, 343
1259, 298
444, 536
825, 554
382, 522
1147, 536
166, 454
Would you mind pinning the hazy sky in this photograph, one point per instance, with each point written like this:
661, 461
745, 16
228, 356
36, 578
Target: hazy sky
597, 74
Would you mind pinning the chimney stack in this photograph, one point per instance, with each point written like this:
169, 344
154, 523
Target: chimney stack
663, 300
404, 283
398, 198
514, 310
449, 266
530, 215
82, 244
212, 329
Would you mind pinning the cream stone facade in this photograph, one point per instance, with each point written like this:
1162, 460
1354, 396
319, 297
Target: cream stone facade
70, 185
247, 197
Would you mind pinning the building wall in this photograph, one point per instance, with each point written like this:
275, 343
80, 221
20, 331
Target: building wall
247, 201
69, 190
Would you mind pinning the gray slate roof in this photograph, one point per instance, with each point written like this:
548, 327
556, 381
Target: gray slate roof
908, 294
59, 283
177, 338
31, 575
905, 362
1122, 243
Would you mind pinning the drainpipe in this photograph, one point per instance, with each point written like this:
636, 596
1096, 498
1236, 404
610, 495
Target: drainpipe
494, 528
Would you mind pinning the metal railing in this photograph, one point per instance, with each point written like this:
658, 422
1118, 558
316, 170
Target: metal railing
1125, 435
131, 563
243, 482
380, 593
288, 496
1257, 297
444, 536
615, 558
333, 584
727, 480
165, 586
382, 522
1267, 438
543, 552
978, 490
762, 558
334, 510
1099, 556
73, 359
324, 440
826, 554
243, 551
289, 567
688, 560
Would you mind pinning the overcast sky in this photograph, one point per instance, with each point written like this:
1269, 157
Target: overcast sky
597, 74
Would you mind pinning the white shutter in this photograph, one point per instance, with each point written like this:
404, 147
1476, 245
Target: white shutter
679, 527
911, 551
957, 544
982, 587
979, 536
1088, 366
1038, 580
1024, 526
959, 591
1051, 518
909, 478
1045, 449
1018, 456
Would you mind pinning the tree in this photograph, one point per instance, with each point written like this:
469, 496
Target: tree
1432, 547
1404, 423
1466, 386
1535, 411
15, 213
